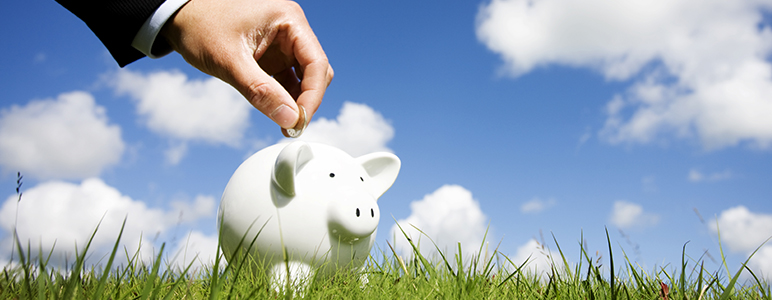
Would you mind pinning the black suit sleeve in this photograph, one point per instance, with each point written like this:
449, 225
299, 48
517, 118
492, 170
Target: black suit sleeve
115, 23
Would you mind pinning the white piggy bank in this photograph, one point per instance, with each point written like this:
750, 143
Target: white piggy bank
314, 200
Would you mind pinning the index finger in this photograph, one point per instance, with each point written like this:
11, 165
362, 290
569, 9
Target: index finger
316, 79
314, 71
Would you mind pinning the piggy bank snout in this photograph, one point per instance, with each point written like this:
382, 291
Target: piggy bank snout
352, 219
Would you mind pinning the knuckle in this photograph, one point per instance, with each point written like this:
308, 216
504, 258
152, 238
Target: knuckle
258, 95
294, 6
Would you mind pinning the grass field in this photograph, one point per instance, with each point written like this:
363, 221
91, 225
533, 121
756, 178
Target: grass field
389, 277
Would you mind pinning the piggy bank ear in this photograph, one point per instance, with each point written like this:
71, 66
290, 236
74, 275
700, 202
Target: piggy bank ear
289, 162
382, 168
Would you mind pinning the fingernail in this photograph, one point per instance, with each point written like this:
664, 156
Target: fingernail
284, 116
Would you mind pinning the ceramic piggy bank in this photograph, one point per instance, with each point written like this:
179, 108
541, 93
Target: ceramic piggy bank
314, 201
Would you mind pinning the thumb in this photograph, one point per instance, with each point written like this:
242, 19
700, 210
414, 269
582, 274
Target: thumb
264, 92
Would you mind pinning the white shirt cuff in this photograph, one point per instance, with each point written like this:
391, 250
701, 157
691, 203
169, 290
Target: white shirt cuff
147, 34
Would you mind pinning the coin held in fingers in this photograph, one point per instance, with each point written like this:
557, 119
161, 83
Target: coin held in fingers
300, 126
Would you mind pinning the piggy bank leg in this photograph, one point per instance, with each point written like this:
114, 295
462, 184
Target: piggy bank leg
297, 279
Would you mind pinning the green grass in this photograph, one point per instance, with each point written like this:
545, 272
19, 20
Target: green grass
389, 277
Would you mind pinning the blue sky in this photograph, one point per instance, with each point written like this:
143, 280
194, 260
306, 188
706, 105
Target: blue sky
555, 117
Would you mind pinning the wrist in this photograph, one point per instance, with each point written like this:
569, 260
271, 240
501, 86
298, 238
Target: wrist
149, 39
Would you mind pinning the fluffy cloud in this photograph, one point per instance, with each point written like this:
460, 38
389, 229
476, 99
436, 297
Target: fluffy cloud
448, 216
358, 130
536, 205
743, 231
537, 258
183, 110
699, 68
761, 263
201, 207
68, 137
626, 215
65, 215
198, 250
58, 216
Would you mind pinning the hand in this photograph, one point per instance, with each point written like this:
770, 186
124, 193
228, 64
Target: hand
245, 42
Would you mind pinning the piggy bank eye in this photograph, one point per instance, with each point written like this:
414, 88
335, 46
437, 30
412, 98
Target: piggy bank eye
362, 179
332, 175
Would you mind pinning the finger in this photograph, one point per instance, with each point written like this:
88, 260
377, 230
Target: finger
311, 67
263, 92
316, 79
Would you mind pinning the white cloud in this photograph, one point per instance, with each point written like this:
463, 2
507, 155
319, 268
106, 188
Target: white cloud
761, 262
358, 130
173, 106
744, 231
201, 207
68, 137
66, 215
59, 215
448, 216
175, 152
697, 176
536, 205
700, 68
626, 215
197, 249
537, 259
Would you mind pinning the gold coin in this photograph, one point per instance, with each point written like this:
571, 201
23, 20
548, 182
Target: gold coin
300, 126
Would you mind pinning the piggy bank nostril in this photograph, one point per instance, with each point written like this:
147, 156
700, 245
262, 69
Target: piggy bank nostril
357, 212
372, 213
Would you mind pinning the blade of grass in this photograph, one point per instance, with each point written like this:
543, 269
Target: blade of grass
24, 265
427, 267
611, 267
728, 290
563, 257
179, 280
217, 281
699, 276
401, 262
74, 280
245, 257
106, 271
721, 250
439, 251
41, 281
639, 282
43, 268
517, 271
758, 283
130, 268
151, 277
682, 280
490, 265
482, 244
214, 284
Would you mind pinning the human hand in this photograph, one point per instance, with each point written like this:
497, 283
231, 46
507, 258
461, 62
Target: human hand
245, 42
